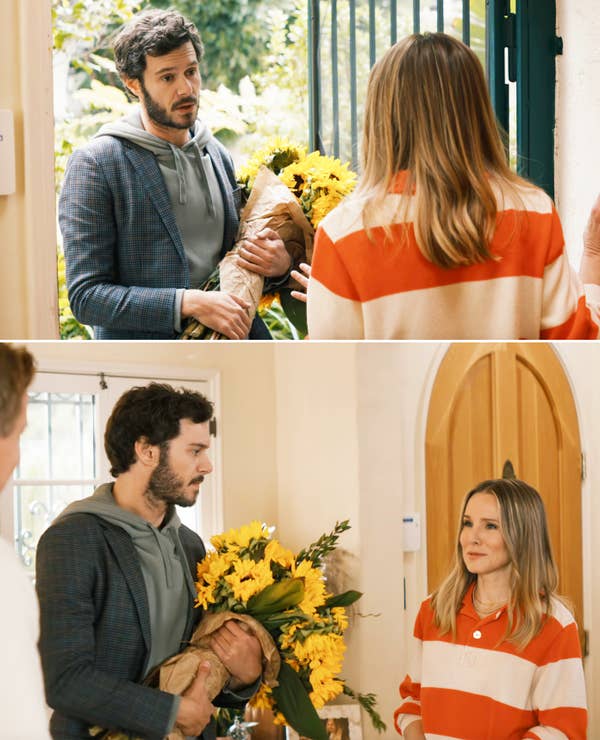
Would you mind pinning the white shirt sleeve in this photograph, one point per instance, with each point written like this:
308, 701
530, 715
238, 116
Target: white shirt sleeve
23, 710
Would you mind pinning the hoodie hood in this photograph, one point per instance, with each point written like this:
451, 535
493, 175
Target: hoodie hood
181, 159
144, 535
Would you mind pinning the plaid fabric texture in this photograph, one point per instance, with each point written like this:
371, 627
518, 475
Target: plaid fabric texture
95, 629
123, 251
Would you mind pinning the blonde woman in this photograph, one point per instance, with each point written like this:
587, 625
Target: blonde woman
442, 240
497, 652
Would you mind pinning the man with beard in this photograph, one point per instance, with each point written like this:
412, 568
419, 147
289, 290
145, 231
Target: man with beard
115, 580
150, 205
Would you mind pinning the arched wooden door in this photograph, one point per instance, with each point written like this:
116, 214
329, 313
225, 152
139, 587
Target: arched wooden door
492, 403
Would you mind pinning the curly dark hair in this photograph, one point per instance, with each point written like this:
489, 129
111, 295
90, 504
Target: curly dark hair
151, 412
154, 32
17, 368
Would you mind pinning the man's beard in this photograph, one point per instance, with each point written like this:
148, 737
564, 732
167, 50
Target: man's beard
166, 486
160, 115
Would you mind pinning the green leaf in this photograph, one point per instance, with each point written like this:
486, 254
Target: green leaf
277, 597
275, 621
295, 705
345, 599
295, 310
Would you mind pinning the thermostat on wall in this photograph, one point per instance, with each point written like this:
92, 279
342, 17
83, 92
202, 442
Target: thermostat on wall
7, 153
411, 532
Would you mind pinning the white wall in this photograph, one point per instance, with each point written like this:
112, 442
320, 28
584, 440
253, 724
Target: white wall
582, 364
577, 117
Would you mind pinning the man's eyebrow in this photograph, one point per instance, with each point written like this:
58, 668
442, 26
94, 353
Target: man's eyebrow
198, 444
171, 69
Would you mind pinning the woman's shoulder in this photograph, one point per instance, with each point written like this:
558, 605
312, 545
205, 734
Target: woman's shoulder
560, 612
346, 218
521, 195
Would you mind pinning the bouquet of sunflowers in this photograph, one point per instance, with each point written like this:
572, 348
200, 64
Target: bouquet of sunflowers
289, 191
283, 599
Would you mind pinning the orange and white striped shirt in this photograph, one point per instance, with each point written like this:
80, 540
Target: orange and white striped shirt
382, 289
481, 687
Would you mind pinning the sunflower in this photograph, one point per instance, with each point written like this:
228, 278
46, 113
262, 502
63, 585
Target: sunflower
277, 154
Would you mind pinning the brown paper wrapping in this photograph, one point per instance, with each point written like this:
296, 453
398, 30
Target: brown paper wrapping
270, 205
178, 673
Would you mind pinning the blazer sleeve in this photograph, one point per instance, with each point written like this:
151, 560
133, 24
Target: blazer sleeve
90, 241
67, 576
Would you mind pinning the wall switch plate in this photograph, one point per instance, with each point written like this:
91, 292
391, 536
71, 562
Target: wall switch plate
7, 153
411, 532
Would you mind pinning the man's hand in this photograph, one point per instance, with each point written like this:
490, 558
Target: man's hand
303, 278
239, 651
222, 312
265, 254
195, 709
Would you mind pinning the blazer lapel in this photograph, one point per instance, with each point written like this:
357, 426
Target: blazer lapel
124, 551
148, 170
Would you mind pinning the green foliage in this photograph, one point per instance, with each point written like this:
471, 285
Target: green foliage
368, 702
293, 702
276, 598
70, 328
324, 545
279, 323
235, 34
87, 25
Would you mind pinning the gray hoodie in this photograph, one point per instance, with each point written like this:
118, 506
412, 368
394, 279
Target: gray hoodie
193, 190
169, 583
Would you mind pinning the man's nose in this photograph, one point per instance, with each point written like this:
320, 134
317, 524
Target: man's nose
185, 87
205, 465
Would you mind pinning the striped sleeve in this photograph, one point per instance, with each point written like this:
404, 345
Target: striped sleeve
558, 689
334, 309
566, 314
410, 688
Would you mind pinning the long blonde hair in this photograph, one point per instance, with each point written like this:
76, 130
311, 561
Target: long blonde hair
428, 111
533, 573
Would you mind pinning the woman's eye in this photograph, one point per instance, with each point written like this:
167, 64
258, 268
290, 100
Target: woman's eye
466, 523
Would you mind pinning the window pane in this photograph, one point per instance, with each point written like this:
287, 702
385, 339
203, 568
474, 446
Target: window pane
35, 459
36, 506
72, 436
59, 441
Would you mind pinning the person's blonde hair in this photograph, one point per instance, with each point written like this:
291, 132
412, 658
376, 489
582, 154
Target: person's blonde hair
533, 573
428, 111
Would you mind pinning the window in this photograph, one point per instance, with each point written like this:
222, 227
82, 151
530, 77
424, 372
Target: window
63, 459
514, 39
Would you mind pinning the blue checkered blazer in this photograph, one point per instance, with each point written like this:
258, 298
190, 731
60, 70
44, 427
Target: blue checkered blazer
123, 250
95, 630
